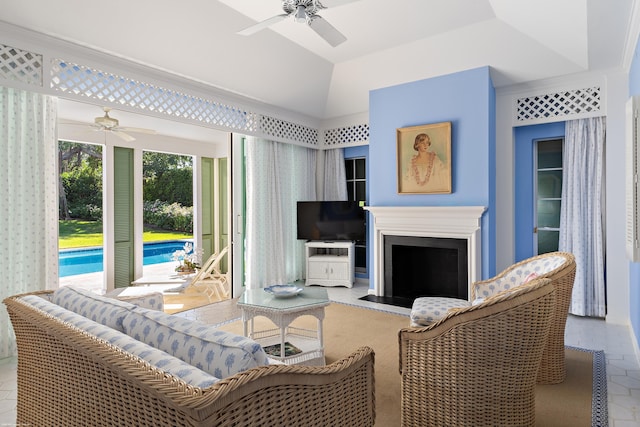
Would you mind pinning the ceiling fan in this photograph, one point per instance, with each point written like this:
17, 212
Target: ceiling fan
107, 123
305, 11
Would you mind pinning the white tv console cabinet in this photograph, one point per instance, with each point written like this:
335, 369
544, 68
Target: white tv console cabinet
330, 263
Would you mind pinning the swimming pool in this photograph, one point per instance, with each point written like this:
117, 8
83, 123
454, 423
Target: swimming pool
89, 260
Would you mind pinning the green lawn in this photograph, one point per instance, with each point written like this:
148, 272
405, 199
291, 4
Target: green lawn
78, 233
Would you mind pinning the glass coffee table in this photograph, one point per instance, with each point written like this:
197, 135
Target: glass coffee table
289, 344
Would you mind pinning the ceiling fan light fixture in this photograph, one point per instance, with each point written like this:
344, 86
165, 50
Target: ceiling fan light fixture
301, 14
305, 11
106, 121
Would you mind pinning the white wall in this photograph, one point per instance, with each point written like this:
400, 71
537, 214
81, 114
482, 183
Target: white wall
505, 158
617, 263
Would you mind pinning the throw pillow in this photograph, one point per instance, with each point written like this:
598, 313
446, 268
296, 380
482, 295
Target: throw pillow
219, 353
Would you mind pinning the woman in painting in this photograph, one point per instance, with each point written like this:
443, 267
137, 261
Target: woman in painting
426, 173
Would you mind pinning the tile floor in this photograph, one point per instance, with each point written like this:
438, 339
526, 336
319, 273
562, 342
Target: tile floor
623, 371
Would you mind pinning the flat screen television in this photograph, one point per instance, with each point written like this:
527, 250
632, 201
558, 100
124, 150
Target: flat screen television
331, 220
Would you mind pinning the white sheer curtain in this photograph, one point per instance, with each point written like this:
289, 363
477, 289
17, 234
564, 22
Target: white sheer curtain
278, 175
335, 177
581, 215
29, 194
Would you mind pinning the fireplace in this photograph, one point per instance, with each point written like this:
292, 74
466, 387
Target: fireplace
460, 224
425, 266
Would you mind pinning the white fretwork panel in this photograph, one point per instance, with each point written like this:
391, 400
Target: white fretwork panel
20, 65
99, 85
346, 135
102, 86
280, 129
559, 104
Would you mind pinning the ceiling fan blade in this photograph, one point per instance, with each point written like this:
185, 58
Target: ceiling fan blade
139, 130
262, 25
65, 122
326, 31
335, 3
123, 135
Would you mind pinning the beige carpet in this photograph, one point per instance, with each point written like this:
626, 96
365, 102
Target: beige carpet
347, 328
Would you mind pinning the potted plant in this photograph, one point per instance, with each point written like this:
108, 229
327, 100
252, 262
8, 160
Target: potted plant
188, 259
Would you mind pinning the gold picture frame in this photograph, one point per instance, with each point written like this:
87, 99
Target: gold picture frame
424, 159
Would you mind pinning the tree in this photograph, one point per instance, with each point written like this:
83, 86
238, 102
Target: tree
79, 175
168, 178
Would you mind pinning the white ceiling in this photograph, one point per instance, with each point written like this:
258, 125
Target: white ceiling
388, 42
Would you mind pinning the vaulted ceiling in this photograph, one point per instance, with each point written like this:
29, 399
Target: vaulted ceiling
388, 42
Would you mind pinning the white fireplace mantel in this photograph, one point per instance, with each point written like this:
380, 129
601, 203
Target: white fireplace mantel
454, 222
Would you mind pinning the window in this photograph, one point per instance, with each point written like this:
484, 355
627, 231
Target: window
548, 194
356, 172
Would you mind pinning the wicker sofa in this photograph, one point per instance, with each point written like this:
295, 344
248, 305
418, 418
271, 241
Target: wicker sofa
76, 367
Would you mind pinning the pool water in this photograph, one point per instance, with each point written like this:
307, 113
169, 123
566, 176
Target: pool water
80, 261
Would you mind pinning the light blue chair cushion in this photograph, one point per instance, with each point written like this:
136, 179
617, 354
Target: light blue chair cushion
106, 311
518, 276
217, 352
157, 358
426, 310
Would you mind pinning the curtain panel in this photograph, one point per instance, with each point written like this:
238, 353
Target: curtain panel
335, 175
278, 175
29, 194
581, 215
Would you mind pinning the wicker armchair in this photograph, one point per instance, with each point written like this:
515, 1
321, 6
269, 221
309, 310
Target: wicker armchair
477, 366
560, 267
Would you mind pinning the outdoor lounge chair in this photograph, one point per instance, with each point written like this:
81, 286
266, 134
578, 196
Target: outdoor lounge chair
210, 280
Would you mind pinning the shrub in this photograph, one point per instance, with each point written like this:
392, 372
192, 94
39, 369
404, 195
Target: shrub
168, 216
172, 185
83, 184
83, 190
89, 212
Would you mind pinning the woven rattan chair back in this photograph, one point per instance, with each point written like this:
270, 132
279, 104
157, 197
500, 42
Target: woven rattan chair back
478, 365
553, 367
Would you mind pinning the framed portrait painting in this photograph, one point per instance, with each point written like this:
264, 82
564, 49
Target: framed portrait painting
424, 159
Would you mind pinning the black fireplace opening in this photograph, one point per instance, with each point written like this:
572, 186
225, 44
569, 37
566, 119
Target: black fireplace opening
424, 266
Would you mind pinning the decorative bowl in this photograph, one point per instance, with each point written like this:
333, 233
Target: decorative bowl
283, 291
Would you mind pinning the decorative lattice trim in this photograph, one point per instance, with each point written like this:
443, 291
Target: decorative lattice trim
559, 104
80, 81
20, 65
87, 82
346, 135
102, 86
270, 126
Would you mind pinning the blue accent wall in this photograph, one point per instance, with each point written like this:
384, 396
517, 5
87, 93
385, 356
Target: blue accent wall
467, 100
634, 268
524, 175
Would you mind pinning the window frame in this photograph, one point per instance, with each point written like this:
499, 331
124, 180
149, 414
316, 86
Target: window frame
536, 171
